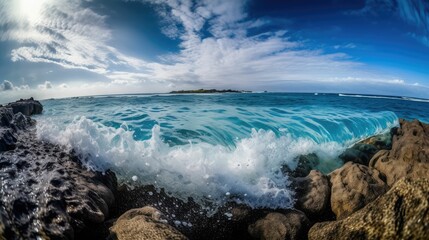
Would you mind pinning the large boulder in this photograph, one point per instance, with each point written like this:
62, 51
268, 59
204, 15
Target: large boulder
354, 186
141, 224
281, 226
401, 213
312, 193
409, 156
47, 193
27, 107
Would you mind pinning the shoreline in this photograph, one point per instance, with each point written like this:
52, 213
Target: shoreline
369, 174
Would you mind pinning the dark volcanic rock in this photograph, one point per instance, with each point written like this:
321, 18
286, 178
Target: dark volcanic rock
409, 156
45, 192
27, 107
354, 186
313, 193
6, 116
229, 222
143, 223
7, 140
291, 225
402, 213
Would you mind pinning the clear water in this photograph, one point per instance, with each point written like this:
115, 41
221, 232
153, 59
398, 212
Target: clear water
218, 147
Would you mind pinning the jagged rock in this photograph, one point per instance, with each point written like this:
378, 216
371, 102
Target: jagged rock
312, 193
21, 122
292, 225
409, 156
27, 107
7, 140
143, 223
401, 213
6, 116
47, 193
354, 186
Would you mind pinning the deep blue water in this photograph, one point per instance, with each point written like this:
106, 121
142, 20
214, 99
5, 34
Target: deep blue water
214, 146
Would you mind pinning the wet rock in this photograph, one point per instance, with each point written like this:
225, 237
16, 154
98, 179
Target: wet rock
6, 116
354, 186
143, 223
312, 193
47, 193
305, 163
401, 213
228, 222
409, 156
360, 153
292, 225
21, 122
7, 140
381, 141
27, 107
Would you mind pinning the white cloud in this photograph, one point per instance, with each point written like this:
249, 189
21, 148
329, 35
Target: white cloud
45, 86
7, 85
65, 33
219, 46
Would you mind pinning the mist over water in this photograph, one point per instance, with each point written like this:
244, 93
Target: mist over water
214, 148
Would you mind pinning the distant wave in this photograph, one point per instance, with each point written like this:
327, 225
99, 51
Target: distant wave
384, 97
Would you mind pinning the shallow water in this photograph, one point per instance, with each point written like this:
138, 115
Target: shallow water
218, 147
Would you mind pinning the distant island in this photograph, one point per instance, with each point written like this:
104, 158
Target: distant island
211, 91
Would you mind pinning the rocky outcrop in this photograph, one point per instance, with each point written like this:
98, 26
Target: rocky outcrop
45, 190
312, 193
402, 213
27, 107
141, 224
292, 225
354, 186
409, 156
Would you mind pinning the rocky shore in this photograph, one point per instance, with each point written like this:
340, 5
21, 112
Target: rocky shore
381, 192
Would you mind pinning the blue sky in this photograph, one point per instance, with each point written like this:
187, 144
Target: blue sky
59, 48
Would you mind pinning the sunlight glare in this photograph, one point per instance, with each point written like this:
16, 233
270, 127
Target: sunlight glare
31, 10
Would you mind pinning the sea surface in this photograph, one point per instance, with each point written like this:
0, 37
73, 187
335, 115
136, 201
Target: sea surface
217, 148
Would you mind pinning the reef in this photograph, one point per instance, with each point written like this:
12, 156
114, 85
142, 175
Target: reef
47, 192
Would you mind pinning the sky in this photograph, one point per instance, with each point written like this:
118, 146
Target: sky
63, 48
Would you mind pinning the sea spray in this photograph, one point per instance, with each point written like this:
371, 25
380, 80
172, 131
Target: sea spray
215, 148
250, 172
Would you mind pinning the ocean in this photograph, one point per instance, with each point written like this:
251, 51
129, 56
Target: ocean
217, 148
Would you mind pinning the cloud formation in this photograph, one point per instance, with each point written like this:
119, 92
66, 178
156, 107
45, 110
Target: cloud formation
7, 85
61, 32
220, 46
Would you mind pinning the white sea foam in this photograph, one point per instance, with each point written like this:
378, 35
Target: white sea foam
249, 173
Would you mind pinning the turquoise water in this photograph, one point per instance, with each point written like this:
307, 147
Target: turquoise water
218, 147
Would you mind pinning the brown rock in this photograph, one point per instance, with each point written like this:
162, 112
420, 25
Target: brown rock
402, 213
409, 156
291, 225
354, 186
312, 193
143, 223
